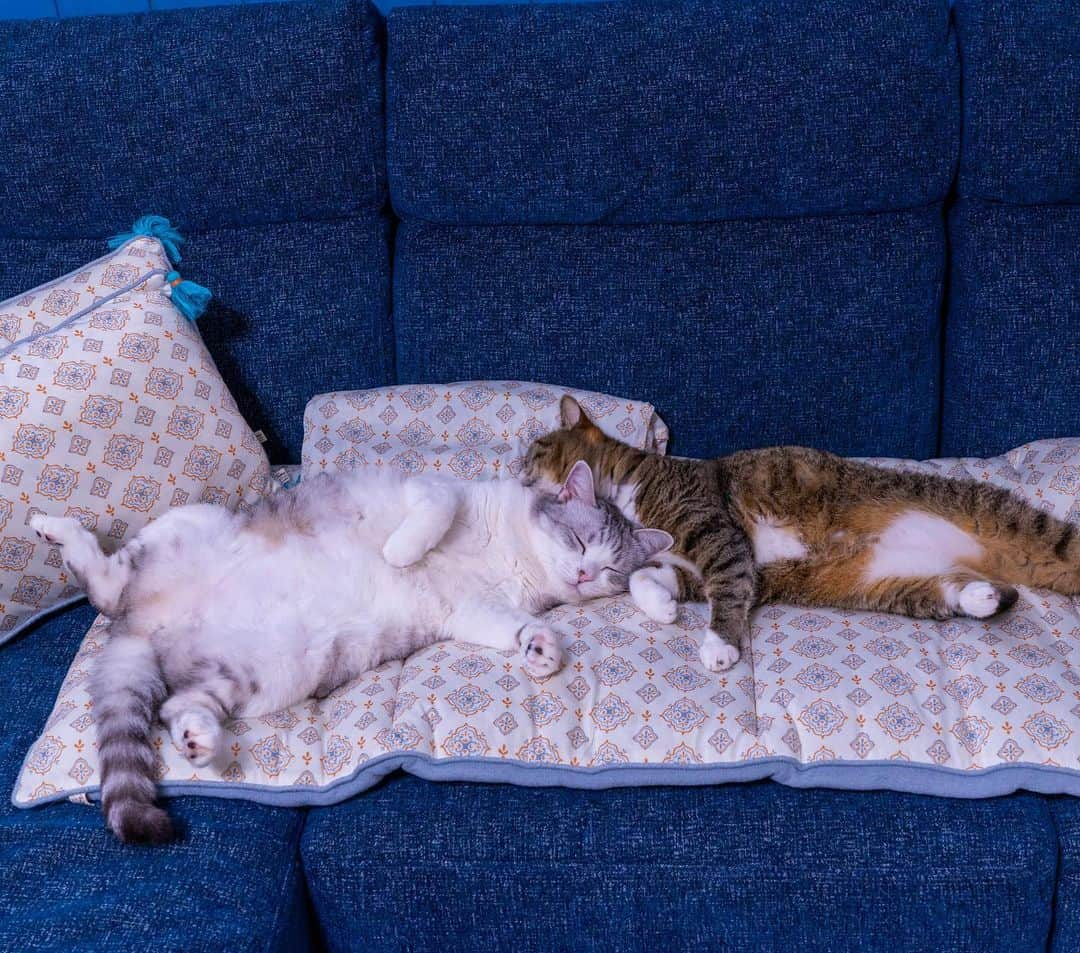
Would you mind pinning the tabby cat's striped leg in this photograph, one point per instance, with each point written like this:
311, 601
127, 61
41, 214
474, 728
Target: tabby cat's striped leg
730, 583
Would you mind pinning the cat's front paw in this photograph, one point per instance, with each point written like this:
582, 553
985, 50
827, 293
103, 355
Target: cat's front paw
543, 651
652, 598
716, 654
402, 550
198, 736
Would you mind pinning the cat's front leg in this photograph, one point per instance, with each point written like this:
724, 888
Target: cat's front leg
504, 627
430, 511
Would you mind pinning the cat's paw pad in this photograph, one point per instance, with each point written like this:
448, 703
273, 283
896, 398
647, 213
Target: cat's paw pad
198, 736
543, 652
980, 600
52, 529
717, 655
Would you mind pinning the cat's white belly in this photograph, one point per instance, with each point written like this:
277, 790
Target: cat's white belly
920, 544
774, 542
289, 614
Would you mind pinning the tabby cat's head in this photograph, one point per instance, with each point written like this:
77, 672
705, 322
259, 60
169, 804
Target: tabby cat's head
549, 458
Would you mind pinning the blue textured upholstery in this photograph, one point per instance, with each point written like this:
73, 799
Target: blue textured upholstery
734, 210
669, 112
1012, 360
686, 150
267, 117
234, 882
17, 9
1065, 813
1011, 365
752, 867
1021, 111
721, 326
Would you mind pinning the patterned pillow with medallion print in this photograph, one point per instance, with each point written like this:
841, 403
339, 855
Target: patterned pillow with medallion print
472, 430
111, 411
823, 697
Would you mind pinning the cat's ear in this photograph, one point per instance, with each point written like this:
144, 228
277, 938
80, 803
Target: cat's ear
655, 541
579, 485
571, 415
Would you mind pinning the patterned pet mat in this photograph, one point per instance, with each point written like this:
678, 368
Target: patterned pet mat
854, 700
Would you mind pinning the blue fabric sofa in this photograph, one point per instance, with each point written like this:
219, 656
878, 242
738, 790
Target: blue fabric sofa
850, 225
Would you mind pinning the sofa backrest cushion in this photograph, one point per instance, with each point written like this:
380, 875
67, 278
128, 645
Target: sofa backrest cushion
1011, 363
258, 130
729, 210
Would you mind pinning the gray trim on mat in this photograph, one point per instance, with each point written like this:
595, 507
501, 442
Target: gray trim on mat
878, 775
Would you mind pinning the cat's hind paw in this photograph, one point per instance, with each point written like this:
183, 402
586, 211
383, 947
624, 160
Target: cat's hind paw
543, 652
198, 736
55, 530
980, 599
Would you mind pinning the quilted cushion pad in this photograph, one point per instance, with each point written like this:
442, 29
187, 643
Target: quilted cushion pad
841, 699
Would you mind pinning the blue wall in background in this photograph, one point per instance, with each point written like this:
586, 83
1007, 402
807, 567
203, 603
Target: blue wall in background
28, 9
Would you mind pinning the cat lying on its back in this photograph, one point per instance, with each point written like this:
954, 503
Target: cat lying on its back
788, 524
221, 614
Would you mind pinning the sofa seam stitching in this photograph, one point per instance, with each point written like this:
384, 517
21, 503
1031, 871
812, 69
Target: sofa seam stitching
294, 867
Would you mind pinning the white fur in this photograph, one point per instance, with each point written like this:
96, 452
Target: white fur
920, 544
774, 542
623, 496
716, 654
369, 568
654, 590
978, 599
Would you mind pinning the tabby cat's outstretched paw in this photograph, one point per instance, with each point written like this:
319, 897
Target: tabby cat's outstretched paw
716, 654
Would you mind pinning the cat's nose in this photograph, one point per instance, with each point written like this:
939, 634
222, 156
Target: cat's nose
583, 576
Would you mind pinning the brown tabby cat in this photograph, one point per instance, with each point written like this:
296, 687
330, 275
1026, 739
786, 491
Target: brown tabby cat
788, 524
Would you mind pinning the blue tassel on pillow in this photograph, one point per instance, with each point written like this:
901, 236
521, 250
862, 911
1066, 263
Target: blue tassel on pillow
189, 298
156, 226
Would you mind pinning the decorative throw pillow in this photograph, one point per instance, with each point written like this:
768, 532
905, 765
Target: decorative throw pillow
470, 429
111, 410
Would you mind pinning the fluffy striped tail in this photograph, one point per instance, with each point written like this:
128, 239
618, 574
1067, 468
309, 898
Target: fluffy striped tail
126, 688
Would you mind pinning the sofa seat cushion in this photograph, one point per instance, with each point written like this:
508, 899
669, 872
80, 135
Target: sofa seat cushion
471, 866
232, 881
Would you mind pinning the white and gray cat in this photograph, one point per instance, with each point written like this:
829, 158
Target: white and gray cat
215, 614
